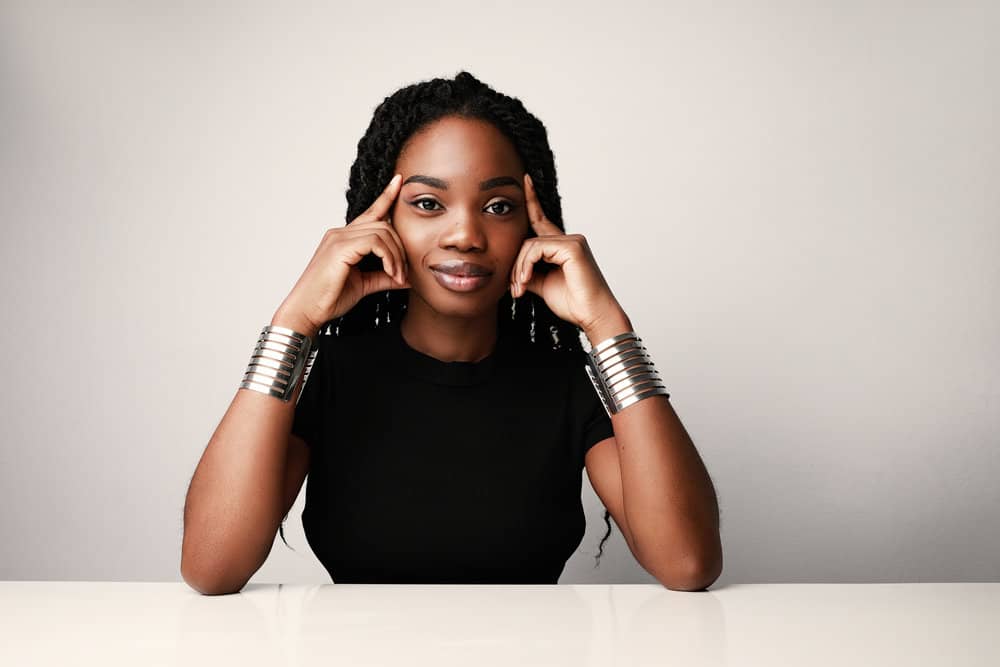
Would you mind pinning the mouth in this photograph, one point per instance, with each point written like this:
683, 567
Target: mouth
458, 282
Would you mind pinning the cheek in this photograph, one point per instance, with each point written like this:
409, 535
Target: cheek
412, 241
515, 247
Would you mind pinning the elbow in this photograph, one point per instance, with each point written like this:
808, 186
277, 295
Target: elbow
208, 583
209, 587
700, 578
212, 569
688, 575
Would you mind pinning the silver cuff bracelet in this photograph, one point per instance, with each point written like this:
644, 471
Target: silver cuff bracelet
279, 359
622, 372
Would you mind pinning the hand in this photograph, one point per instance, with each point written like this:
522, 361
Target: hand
575, 290
332, 283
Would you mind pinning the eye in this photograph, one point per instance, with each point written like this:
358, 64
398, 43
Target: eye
434, 204
418, 202
510, 207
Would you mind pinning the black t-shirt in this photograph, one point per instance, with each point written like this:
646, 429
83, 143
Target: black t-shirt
425, 471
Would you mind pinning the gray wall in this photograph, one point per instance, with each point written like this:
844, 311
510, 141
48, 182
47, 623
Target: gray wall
797, 205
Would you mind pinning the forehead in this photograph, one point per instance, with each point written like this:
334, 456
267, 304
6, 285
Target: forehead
455, 147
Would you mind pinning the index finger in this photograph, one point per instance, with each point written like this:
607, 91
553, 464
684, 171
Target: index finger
380, 207
536, 216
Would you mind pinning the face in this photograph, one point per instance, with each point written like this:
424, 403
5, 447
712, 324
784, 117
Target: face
461, 200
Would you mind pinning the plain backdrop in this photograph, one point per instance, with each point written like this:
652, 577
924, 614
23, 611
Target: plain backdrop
796, 203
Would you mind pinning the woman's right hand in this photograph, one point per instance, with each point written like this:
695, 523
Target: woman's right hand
332, 283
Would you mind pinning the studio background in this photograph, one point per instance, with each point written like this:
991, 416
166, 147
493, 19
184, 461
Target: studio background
795, 202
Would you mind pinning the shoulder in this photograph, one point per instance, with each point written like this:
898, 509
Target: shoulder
559, 366
365, 353
337, 345
571, 368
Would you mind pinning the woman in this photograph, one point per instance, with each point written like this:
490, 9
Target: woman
450, 407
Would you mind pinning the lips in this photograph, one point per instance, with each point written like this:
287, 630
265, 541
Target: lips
462, 269
460, 283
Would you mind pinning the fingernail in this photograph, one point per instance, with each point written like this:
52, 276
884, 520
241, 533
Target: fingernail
395, 178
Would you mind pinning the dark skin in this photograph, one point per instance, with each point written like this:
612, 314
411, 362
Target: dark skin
455, 219
649, 474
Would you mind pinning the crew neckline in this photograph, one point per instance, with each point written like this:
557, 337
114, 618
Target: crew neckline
455, 373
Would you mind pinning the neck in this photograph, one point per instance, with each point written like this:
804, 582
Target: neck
447, 337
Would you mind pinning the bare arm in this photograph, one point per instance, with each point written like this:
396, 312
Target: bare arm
667, 498
253, 467
249, 475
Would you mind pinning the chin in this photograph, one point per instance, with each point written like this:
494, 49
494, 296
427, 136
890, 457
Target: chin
457, 304
471, 308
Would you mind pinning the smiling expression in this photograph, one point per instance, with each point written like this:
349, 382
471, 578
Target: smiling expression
462, 200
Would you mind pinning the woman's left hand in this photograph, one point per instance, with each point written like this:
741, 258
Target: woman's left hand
575, 290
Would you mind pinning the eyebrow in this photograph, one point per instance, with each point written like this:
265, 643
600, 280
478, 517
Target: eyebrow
441, 184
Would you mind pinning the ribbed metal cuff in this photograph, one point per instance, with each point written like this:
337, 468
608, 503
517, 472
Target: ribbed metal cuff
622, 372
280, 357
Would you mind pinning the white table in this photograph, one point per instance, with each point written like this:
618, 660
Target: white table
122, 623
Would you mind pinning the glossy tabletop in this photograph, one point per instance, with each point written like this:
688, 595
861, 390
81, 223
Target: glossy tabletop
124, 623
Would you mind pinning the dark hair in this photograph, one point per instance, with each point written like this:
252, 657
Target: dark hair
399, 117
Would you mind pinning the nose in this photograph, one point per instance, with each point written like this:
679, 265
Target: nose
465, 234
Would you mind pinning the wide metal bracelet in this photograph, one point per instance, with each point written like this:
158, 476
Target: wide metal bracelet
622, 372
280, 357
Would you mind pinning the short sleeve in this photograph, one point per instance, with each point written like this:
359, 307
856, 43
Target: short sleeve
314, 397
591, 421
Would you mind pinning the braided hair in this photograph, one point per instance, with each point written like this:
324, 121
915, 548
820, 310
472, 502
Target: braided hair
397, 118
